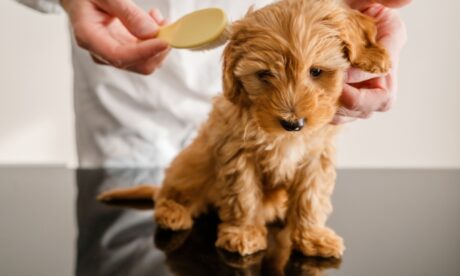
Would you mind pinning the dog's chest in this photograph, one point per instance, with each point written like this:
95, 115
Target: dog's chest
279, 162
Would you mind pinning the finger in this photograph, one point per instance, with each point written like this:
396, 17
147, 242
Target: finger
363, 4
148, 67
157, 16
162, 56
360, 4
98, 59
355, 75
339, 120
365, 100
394, 36
101, 43
136, 20
345, 112
394, 3
374, 83
391, 29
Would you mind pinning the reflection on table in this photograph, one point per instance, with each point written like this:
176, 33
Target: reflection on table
124, 240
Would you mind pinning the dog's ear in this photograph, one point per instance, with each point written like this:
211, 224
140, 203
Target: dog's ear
359, 34
232, 86
236, 35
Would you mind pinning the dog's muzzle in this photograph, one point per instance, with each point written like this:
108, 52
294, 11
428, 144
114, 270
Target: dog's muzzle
293, 125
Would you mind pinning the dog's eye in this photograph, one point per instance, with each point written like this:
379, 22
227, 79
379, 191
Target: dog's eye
315, 72
264, 75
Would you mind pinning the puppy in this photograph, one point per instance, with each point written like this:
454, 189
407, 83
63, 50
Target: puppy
266, 152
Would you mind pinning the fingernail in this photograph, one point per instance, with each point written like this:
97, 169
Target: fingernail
158, 15
149, 29
161, 47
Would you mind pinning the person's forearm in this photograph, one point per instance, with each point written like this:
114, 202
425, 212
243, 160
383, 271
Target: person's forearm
45, 6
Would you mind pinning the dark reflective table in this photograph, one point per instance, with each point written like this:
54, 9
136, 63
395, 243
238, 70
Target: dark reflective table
394, 222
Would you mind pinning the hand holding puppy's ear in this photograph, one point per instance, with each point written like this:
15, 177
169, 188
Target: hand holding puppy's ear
359, 35
364, 92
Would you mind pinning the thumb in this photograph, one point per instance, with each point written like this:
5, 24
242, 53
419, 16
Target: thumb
136, 20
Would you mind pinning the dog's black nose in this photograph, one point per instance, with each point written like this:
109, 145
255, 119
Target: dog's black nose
294, 125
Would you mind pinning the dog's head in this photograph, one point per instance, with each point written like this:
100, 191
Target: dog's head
286, 62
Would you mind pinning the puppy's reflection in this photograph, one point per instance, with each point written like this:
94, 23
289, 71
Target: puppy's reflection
309, 266
117, 240
194, 253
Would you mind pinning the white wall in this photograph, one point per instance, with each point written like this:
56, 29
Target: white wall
422, 130
36, 123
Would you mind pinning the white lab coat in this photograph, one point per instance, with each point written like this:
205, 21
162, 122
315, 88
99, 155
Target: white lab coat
128, 120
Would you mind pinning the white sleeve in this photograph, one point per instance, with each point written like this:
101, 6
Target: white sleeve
45, 6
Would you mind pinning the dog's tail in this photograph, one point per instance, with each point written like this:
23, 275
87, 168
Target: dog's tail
141, 192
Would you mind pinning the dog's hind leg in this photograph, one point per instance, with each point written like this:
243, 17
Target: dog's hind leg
176, 207
185, 188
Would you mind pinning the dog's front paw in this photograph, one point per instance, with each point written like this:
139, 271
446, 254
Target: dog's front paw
318, 241
172, 215
244, 240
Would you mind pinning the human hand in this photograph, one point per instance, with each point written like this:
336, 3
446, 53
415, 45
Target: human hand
118, 33
365, 93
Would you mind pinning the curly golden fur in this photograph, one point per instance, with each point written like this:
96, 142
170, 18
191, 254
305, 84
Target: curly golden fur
243, 162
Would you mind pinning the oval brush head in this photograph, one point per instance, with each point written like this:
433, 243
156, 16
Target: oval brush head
199, 30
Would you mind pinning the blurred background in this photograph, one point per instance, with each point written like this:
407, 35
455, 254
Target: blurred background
422, 129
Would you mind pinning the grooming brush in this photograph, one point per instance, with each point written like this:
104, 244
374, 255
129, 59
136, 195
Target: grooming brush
200, 30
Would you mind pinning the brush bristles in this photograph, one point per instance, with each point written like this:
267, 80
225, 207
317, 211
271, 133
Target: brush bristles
219, 41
